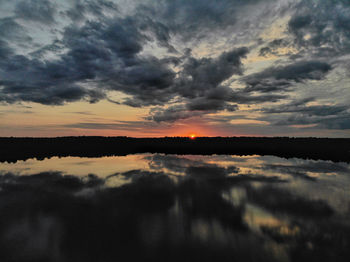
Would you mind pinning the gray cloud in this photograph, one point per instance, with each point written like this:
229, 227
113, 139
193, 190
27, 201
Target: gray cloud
200, 84
202, 104
281, 78
5, 50
200, 76
340, 121
198, 107
42, 11
13, 31
171, 114
322, 27
312, 110
82, 8
196, 19
271, 47
299, 112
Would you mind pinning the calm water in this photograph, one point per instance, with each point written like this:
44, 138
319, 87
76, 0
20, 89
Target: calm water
154, 207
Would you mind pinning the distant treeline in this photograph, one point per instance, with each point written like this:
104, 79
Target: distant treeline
335, 149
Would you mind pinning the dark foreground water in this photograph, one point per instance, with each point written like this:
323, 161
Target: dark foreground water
154, 207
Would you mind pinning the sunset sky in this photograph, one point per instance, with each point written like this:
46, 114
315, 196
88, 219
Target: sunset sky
148, 68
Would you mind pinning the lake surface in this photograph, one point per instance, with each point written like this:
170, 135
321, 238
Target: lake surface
156, 207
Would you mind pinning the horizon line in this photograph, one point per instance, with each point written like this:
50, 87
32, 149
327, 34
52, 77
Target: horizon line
160, 137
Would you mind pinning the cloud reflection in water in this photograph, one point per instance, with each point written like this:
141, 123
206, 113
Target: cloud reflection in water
188, 208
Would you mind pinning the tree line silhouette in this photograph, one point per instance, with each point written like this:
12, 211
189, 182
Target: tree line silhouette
14, 148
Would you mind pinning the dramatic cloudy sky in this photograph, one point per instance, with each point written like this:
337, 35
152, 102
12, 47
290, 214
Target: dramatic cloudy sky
175, 67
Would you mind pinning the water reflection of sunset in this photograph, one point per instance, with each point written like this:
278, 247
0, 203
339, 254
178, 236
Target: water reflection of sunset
238, 202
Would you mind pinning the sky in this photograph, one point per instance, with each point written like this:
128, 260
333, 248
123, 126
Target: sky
148, 68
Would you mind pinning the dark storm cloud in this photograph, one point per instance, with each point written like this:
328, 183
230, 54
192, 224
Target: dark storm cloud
199, 82
205, 104
42, 11
271, 47
281, 78
196, 19
54, 48
13, 31
160, 32
322, 27
101, 52
200, 76
5, 50
112, 61
81, 8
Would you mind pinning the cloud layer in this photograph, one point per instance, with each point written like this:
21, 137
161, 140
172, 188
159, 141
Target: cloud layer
181, 59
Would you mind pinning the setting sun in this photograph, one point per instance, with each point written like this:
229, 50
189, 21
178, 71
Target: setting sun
193, 136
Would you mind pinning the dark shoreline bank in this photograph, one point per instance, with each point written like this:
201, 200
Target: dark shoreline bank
14, 149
